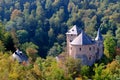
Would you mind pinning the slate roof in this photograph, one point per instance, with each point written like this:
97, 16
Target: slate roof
18, 55
99, 36
82, 39
74, 30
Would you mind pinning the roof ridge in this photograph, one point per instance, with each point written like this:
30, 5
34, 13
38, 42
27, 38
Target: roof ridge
74, 30
82, 39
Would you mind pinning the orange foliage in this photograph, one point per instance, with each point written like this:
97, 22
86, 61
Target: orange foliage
15, 13
117, 51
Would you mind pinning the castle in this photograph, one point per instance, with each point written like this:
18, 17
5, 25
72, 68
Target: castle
80, 45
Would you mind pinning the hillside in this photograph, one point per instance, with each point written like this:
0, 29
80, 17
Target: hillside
38, 27
45, 22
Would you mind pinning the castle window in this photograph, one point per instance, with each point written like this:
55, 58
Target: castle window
93, 47
80, 49
20, 53
90, 48
70, 40
97, 50
90, 58
71, 48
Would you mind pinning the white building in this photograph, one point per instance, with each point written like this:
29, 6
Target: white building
20, 56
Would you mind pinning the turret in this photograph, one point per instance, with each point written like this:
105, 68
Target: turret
99, 36
99, 43
72, 34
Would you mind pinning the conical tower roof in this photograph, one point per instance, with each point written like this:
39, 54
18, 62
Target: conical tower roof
82, 39
99, 36
74, 30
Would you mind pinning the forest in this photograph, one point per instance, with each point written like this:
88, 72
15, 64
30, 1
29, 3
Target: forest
38, 27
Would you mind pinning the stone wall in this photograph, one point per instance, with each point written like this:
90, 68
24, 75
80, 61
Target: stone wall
87, 51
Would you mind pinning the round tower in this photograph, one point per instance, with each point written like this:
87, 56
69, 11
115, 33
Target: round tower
99, 45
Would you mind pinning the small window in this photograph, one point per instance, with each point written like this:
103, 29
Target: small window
70, 40
15, 52
72, 29
97, 50
80, 49
94, 47
71, 34
90, 48
71, 48
20, 53
90, 58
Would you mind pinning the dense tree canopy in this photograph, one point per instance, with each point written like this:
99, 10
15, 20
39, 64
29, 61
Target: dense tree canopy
38, 28
45, 22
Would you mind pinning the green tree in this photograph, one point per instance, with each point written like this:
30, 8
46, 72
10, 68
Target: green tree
98, 72
55, 50
15, 39
8, 42
85, 70
73, 67
2, 31
51, 36
118, 37
2, 47
22, 35
60, 38
26, 9
31, 49
52, 70
39, 11
109, 47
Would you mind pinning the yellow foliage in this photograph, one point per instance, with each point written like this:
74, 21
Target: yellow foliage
78, 78
13, 75
37, 70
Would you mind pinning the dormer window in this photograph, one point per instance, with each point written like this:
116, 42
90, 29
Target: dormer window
20, 53
15, 52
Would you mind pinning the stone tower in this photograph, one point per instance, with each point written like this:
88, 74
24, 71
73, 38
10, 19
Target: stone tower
99, 44
71, 34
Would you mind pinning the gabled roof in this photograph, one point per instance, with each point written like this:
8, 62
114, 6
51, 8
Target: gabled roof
74, 30
82, 39
99, 36
18, 55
